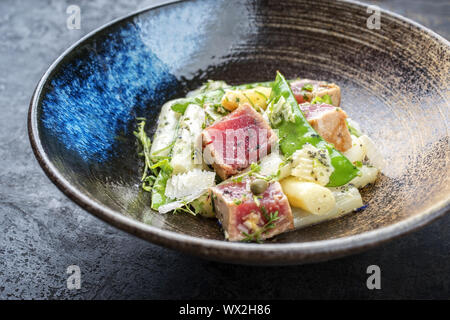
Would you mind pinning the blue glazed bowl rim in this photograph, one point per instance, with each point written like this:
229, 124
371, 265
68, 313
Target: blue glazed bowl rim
247, 253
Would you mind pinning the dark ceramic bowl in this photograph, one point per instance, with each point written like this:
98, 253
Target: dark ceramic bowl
395, 82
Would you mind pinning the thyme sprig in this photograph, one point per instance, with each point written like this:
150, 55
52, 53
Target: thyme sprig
254, 169
186, 208
271, 218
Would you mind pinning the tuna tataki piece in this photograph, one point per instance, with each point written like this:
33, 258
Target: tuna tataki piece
306, 90
237, 140
245, 216
330, 124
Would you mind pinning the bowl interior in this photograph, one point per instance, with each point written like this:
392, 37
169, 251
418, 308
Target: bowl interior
394, 82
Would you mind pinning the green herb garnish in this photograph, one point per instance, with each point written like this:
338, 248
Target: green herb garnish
256, 200
186, 208
353, 131
254, 168
270, 224
308, 87
325, 99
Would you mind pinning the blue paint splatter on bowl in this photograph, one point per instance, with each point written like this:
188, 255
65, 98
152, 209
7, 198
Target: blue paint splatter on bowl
98, 93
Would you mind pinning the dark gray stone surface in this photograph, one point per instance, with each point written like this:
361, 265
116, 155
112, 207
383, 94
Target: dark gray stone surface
42, 232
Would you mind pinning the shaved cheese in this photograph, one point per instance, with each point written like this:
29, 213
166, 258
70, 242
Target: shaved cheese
186, 187
179, 203
185, 184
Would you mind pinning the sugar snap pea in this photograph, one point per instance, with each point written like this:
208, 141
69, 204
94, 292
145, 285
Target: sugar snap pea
294, 131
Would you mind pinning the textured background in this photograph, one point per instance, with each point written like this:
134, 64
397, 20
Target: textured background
42, 232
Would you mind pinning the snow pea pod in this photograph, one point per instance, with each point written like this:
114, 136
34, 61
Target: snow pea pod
294, 131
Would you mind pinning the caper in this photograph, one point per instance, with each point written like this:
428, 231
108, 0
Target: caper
258, 186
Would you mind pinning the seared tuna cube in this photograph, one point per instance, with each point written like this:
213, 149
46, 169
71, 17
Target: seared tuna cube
238, 139
306, 90
330, 124
245, 216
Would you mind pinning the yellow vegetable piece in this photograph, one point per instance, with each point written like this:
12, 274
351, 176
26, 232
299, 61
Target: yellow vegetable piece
308, 196
256, 97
